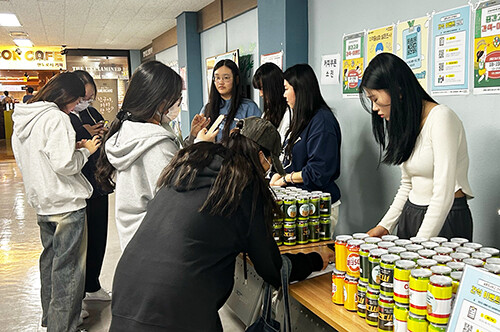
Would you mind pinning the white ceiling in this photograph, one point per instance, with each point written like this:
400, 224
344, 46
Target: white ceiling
96, 24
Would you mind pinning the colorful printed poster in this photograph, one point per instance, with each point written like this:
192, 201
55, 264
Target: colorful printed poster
352, 64
487, 48
477, 304
378, 41
330, 67
412, 44
450, 51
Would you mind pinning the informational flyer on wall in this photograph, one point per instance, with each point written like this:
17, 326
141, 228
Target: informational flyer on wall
477, 305
276, 58
378, 41
412, 45
487, 48
352, 63
450, 51
330, 67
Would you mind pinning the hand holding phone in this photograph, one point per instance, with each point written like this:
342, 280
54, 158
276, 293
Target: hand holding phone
216, 124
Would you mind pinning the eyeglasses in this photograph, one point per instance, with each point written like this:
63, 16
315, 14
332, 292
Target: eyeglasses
225, 78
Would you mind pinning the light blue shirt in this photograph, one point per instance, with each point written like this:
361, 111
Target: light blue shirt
247, 109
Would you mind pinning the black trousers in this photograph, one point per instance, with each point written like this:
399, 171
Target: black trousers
458, 223
97, 225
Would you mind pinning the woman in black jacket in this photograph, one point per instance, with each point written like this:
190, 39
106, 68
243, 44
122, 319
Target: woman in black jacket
88, 122
178, 269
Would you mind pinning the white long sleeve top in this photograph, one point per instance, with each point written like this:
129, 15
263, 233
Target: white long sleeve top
436, 169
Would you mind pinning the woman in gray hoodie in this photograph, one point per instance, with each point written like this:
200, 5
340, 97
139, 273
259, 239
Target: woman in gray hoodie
139, 144
51, 161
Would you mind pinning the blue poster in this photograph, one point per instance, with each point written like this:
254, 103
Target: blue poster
450, 51
477, 305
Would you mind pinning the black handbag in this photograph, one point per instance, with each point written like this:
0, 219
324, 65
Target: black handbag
265, 323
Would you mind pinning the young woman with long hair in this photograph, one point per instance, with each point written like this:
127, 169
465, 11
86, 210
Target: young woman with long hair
87, 123
226, 98
139, 144
213, 203
428, 141
51, 160
312, 147
268, 79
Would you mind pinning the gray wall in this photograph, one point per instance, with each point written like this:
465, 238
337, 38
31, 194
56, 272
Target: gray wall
367, 191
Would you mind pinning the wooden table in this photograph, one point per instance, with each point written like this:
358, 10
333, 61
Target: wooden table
316, 295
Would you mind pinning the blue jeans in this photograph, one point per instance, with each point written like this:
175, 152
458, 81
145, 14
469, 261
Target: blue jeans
62, 269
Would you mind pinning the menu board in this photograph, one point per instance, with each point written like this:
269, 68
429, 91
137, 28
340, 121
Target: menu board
106, 101
477, 305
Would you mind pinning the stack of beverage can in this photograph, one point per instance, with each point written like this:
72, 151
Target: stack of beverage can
305, 216
404, 285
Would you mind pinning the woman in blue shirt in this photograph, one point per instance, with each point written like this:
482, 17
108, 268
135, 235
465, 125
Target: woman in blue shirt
312, 148
226, 98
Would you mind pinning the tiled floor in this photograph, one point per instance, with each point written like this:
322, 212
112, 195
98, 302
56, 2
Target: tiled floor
20, 247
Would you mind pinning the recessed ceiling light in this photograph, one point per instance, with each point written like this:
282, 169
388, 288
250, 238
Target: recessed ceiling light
9, 20
23, 42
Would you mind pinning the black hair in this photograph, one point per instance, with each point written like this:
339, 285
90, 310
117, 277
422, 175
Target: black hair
240, 169
61, 89
308, 100
30, 89
87, 79
269, 79
398, 136
153, 87
212, 109
6, 93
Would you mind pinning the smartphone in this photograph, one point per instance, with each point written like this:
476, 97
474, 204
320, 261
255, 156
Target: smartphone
106, 124
216, 124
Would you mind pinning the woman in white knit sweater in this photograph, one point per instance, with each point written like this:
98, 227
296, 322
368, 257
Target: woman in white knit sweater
428, 141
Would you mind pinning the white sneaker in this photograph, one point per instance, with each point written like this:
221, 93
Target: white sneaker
100, 295
83, 314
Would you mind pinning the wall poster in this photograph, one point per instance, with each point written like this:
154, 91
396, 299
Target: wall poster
353, 63
412, 45
450, 51
487, 48
378, 41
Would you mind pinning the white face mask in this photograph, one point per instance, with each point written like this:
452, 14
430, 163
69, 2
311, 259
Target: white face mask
81, 106
173, 112
270, 167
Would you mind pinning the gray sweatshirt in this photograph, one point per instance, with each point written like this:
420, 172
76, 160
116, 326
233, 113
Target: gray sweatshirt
139, 152
44, 147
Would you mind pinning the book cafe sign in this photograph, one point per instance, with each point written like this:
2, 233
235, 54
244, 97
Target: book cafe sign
32, 58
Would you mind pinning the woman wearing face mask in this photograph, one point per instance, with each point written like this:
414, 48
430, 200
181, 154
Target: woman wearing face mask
87, 123
51, 160
312, 148
226, 98
139, 144
213, 203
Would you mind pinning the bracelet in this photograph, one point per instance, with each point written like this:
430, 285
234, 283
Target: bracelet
291, 178
284, 179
